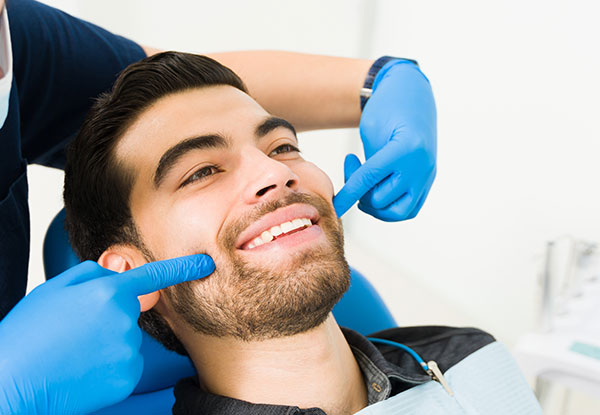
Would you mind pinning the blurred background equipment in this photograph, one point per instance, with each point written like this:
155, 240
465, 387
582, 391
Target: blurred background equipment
563, 353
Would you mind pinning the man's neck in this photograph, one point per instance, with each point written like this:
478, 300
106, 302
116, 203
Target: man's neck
312, 369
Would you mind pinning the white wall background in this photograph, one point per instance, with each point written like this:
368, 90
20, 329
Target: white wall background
517, 89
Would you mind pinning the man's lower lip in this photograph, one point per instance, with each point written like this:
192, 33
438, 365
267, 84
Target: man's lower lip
290, 241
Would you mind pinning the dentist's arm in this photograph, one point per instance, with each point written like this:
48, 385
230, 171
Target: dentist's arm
73, 344
311, 91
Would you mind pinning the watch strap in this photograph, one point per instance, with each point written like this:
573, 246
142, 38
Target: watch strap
367, 89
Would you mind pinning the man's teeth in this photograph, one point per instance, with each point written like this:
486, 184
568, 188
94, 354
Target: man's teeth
275, 231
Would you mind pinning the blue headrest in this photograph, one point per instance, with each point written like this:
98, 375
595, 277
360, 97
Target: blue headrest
57, 251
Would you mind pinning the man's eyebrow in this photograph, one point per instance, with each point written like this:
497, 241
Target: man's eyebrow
272, 123
170, 157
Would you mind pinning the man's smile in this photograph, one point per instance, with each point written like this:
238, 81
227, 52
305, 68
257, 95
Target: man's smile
287, 226
278, 231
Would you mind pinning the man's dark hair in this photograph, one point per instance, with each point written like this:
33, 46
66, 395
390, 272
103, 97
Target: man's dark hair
97, 185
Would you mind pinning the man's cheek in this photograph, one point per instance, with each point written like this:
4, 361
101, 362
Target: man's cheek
195, 219
223, 262
316, 180
202, 289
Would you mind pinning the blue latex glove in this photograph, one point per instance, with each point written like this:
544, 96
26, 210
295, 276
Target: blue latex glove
73, 344
399, 134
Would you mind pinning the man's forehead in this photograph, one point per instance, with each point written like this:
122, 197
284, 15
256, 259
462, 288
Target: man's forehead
173, 118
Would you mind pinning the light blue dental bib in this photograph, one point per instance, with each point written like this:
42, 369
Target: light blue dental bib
487, 382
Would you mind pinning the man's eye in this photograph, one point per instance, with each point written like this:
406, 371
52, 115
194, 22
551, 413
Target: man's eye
201, 174
284, 148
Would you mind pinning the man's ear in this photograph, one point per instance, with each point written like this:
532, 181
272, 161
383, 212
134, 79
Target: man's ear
122, 258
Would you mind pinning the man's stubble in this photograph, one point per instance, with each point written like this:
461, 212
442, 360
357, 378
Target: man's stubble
251, 302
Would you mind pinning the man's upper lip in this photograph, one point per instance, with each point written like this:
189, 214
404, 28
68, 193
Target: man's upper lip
277, 217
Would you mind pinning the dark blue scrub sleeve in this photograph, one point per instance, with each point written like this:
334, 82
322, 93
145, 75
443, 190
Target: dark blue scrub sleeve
14, 211
60, 64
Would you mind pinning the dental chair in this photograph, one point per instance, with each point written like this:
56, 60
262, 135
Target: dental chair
361, 309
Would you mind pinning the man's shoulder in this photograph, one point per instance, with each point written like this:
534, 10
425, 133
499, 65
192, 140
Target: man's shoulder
446, 345
417, 335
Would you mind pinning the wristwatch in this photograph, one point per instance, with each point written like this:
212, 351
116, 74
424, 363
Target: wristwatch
367, 89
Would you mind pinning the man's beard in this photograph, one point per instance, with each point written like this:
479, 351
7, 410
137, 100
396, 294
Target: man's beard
254, 302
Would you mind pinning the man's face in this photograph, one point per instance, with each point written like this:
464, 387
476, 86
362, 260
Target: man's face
216, 174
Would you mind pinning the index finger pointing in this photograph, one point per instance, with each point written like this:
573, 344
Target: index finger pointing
364, 178
155, 276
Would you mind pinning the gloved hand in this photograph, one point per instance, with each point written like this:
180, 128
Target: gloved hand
72, 345
399, 134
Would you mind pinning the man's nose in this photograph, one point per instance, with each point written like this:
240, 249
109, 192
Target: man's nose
268, 178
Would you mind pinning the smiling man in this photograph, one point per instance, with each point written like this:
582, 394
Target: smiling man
178, 159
